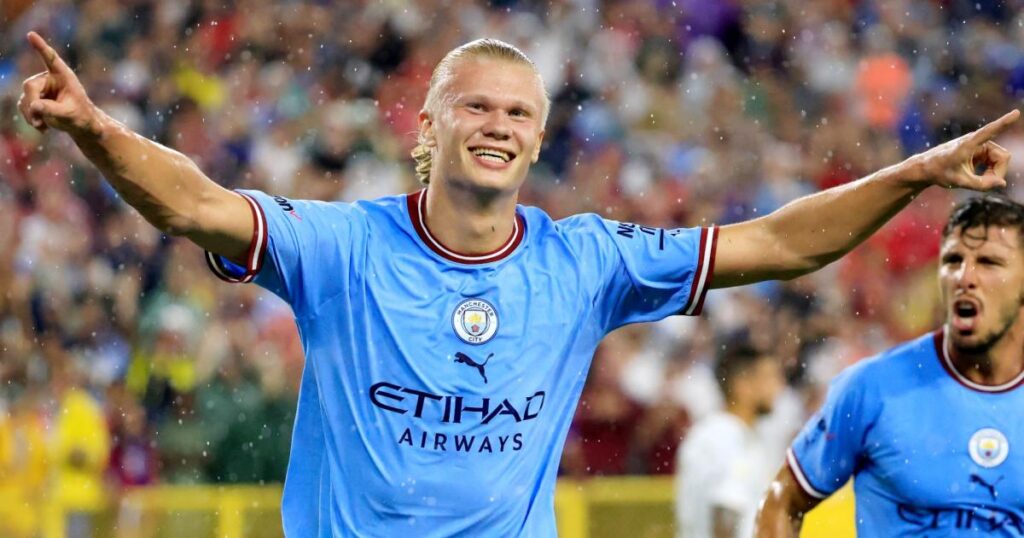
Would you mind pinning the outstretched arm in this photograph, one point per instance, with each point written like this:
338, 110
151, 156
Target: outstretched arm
782, 510
166, 187
811, 232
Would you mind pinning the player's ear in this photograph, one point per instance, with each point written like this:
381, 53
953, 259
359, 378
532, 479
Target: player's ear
536, 150
427, 137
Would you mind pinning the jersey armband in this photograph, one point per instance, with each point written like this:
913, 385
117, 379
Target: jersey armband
229, 271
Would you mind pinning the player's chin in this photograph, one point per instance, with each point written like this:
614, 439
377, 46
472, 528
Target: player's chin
497, 180
970, 340
961, 339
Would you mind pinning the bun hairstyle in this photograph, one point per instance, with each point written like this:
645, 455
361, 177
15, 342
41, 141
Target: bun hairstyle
481, 48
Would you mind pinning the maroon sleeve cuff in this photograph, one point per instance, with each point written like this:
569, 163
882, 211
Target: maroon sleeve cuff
705, 270
230, 272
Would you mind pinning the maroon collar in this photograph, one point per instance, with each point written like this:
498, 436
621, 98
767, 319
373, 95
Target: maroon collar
417, 204
942, 351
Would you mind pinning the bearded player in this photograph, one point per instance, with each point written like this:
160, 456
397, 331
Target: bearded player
931, 431
448, 332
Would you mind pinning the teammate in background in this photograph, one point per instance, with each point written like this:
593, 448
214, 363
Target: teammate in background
724, 464
931, 431
396, 433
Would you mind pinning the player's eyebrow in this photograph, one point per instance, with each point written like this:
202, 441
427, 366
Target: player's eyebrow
510, 103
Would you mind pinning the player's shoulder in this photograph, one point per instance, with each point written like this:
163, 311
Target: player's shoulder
719, 427
390, 207
580, 230
541, 226
717, 433
585, 237
580, 221
904, 364
300, 209
540, 221
595, 228
586, 224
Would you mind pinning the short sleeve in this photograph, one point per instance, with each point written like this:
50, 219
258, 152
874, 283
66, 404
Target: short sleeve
299, 249
830, 447
652, 273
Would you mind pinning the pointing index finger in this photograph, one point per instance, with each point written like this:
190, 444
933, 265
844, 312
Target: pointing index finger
989, 131
54, 64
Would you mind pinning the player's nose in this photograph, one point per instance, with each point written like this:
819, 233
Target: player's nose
966, 275
497, 125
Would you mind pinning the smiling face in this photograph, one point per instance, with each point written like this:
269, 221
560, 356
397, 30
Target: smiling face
981, 273
488, 125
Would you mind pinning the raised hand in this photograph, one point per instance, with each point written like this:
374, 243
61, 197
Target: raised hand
55, 98
956, 163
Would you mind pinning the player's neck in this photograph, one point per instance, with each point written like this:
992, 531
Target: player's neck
470, 222
746, 413
997, 365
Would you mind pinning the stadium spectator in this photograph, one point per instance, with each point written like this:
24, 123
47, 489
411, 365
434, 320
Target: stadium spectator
601, 441
182, 442
24, 465
134, 460
724, 465
81, 451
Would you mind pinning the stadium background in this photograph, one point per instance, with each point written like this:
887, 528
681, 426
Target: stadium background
138, 392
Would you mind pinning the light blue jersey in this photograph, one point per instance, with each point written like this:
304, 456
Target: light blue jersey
931, 452
439, 387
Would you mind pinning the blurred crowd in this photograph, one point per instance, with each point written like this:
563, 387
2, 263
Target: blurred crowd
125, 363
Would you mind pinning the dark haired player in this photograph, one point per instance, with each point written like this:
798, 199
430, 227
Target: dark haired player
932, 431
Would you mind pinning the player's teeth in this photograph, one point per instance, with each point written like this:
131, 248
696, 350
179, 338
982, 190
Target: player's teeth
492, 155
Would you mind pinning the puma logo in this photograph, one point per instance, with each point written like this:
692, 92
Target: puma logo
975, 479
467, 360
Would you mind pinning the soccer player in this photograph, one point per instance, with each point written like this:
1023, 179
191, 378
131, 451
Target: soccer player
724, 461
448, 332
931, 430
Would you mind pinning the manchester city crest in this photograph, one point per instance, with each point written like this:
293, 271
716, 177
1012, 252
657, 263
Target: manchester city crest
988, 447
475, 321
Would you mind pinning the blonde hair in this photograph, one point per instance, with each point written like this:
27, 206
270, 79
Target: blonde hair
488, 48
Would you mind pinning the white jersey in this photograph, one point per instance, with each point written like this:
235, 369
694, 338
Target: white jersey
722, 462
